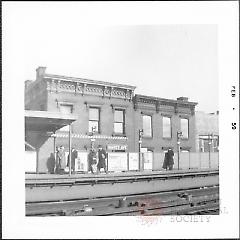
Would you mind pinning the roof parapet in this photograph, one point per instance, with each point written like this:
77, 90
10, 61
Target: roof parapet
40, 72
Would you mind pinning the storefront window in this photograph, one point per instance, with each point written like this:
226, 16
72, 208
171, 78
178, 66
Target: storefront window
94, 119
147, 126
184, 127
119, 120
167, 133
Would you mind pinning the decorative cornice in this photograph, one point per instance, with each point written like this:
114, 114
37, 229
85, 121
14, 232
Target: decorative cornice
89, 81
163, 105
162, 101
59, 86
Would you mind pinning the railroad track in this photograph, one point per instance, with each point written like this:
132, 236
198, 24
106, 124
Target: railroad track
204, 200
102, 179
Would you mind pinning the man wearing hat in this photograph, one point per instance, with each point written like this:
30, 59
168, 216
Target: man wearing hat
170, 155
102, 155
72, 156
61, 160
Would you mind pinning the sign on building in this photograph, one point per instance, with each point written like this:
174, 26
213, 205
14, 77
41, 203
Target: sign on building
117, 162
133, 161
147, 160
116, 147
81, 162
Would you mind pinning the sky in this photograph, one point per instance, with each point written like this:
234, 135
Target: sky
161, 60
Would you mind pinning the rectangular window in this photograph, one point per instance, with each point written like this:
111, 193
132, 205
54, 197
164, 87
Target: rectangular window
147, 126
184, 127
119, 121
94, 119
167, 130
65, 109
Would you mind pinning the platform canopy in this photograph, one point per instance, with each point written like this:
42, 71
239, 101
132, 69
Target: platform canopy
45, 121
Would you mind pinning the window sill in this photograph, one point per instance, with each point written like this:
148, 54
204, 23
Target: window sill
146, 137
119, 135
92, 134
167, 138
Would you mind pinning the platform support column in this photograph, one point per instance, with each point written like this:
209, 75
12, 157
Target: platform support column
140, 134
179, 135
70, 146
210, 137
54, 151
37, 165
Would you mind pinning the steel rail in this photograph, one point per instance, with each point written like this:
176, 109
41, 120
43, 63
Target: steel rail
164, 199
52, 182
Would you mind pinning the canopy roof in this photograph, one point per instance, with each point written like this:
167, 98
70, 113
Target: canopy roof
45, 121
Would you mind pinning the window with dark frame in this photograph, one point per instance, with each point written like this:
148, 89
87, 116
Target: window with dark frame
147, 125
185, 128
94, 119
167, 128
119, 121
66, 108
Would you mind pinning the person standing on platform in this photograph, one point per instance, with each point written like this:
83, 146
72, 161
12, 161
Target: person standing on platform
102, 155
165, 162
92, 159
61, 160
74, 155
170, 155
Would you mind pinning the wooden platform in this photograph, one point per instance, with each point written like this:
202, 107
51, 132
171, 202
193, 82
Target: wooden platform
35, 176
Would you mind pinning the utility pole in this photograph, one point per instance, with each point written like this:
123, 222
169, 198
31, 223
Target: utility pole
93, 139
140, 134
70, 148
210, 137
179, 135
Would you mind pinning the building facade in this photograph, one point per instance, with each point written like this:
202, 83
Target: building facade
207, 131
161, 120
111, 115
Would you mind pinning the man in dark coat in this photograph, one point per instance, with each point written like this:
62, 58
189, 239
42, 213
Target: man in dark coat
165, 162
61, 160
102, 155
92, 159
74, 155
170, 155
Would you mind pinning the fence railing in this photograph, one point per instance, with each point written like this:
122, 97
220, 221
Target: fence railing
152, 161
129, 161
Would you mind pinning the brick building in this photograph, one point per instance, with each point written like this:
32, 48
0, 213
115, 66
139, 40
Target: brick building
207, 131
111, 112
161, 119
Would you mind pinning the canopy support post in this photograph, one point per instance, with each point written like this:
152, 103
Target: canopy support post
70, 146
55, 151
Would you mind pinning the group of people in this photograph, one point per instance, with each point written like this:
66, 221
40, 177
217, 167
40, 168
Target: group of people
168, 160
61, 160
98, 159
94, 157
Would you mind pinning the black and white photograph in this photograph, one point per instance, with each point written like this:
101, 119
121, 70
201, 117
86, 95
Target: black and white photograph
120, 119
